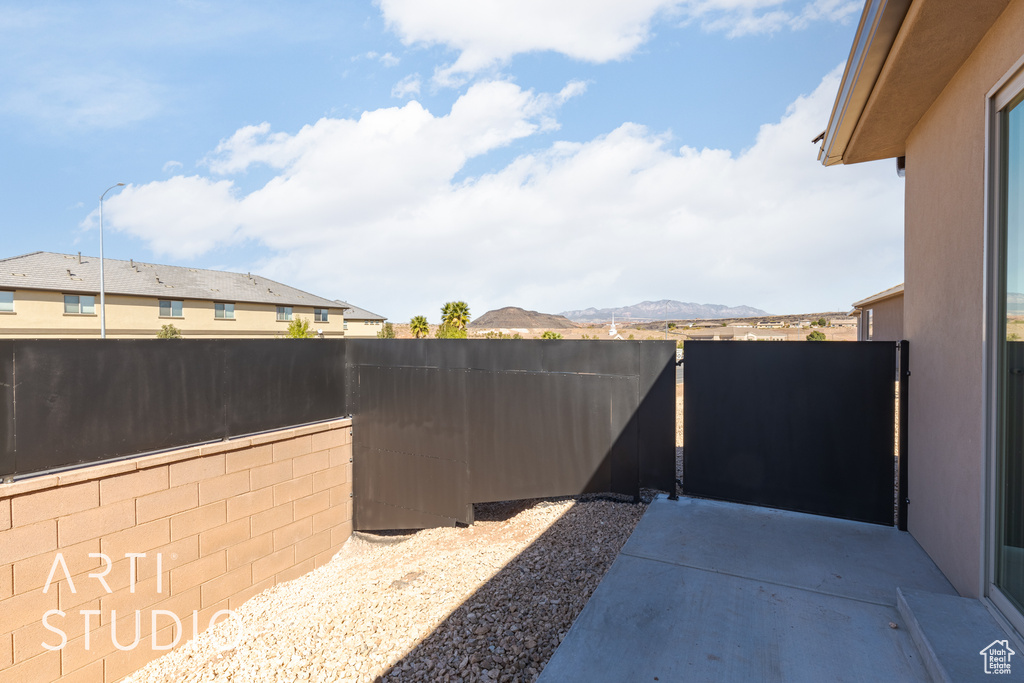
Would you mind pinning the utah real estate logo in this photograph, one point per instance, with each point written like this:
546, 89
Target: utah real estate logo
997, 657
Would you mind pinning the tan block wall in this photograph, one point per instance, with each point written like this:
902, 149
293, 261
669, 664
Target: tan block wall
218, 524
40, 314
944, 308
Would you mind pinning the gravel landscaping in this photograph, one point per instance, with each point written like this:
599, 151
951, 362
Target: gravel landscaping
486, 602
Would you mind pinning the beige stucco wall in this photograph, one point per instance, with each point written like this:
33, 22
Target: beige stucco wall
41, 314
363, 328
887, 320
943, 312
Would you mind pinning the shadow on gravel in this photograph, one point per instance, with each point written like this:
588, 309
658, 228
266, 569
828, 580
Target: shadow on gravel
509, 628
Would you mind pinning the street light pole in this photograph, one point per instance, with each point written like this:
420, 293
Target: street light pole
103, 307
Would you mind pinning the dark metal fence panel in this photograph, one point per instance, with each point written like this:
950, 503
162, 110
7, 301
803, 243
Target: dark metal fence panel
88, 400
8, 427
799, 426
657, 416
82, 401
409, 446
267, 385
482, 420
549, 434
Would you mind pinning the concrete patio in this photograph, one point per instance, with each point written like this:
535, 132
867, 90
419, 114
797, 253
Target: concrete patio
713, 591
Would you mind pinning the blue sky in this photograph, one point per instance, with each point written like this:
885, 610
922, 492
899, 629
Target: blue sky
402, 153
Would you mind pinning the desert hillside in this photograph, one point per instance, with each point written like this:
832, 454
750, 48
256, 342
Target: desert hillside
512, 317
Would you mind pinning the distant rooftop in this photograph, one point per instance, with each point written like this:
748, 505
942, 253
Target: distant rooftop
356, 313
71, 273
880, 296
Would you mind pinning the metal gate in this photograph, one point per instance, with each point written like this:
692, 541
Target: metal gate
442, 424
799, 426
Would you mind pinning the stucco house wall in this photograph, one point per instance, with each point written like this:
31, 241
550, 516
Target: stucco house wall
944, 307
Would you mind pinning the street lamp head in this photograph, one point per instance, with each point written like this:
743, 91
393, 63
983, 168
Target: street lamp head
108, 190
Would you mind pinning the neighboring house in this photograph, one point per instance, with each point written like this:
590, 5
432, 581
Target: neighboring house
880, 316
46, 295
711, 335
360, 322
732, 333
769, 325
938, 85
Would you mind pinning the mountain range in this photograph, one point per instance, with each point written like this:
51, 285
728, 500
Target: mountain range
666, 309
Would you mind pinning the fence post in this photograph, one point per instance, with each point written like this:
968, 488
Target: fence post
904, 382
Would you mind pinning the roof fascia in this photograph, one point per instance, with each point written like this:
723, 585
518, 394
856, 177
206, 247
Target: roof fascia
880, 23
881, 296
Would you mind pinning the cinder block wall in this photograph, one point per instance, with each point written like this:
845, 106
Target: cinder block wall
217, 524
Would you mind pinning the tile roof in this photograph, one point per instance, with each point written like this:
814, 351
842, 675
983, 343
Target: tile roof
63, 272
356, 313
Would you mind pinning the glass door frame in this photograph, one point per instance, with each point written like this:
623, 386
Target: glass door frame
1005, 91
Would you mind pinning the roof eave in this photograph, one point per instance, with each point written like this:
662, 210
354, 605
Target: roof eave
881, 296
880, 23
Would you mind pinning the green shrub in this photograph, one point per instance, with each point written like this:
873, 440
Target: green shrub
550, 335
817, 335
446, 331
298, 328
168, 332
387, 333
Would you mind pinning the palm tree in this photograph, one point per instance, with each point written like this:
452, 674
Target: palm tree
455, 314
418, 326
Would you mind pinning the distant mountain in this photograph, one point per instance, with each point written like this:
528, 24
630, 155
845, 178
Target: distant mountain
512, 317
666, 309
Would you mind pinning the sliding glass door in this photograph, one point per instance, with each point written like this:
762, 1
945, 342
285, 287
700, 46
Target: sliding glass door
1008, 575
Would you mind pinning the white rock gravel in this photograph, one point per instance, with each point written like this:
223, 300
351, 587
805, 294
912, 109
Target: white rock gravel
488, 602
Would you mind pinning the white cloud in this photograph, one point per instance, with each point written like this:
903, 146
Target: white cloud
388, 59
487, 33
369, 210
408, 86
75, 99
746, 17
183, 216
172, 166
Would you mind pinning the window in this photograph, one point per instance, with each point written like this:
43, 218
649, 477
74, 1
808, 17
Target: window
224, 311
284, 313
344, 325
871, 323
171, 308
6, 302
76, 304
320, 315
1006, 573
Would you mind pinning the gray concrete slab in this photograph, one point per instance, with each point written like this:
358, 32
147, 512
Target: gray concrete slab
711, 591
840, 557
951, 632
652, 621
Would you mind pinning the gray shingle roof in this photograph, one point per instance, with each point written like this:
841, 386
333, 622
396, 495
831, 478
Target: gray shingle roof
356, 313
63, 272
